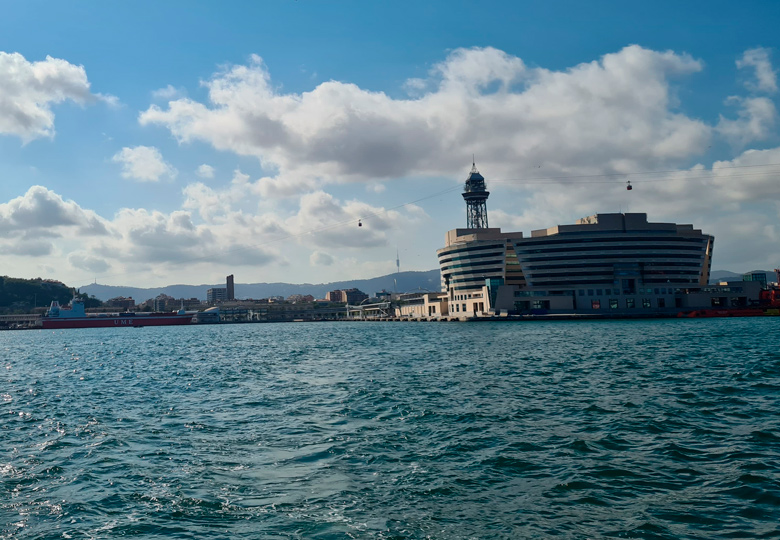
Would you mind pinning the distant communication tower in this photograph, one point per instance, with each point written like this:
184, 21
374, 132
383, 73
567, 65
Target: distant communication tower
397, 262
476, 197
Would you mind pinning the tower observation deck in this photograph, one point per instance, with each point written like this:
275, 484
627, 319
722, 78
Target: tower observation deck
476, 196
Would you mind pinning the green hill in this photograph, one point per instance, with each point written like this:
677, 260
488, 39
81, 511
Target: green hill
24, 295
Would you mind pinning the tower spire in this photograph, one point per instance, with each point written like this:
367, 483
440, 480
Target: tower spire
475, 195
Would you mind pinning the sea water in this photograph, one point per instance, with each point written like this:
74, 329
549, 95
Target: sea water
593, 429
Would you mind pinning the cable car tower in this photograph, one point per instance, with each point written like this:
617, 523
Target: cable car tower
476, 197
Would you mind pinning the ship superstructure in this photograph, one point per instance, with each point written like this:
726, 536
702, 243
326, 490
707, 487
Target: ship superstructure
76, 317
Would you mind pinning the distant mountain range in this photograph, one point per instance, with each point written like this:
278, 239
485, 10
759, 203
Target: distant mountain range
398, 282
725, 275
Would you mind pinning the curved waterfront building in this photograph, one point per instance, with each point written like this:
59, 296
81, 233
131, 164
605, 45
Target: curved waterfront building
477, 253
615, 250
473, 255
612, 262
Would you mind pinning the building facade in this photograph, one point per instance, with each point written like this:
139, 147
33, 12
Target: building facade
347, 296
121, 302
217, 294
230, 290
609, 264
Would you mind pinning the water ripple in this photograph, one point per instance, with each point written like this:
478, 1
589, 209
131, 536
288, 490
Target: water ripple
599, 429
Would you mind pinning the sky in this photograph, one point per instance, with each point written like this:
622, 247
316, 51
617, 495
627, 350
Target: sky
153, 143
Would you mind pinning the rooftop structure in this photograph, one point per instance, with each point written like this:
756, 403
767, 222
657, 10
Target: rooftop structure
476, 197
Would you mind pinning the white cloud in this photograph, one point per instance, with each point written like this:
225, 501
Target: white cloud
29, 89
169, 92
756, 121
41, 212
28, 248
205, 171
211, 203
766, 77
323, 221
136, 241
143, 163
535, 132
84, 261
318, 258
617, 112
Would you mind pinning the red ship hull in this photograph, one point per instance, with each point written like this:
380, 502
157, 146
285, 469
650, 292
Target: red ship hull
117, 321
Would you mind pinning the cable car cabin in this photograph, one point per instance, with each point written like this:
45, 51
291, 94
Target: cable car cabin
629, 187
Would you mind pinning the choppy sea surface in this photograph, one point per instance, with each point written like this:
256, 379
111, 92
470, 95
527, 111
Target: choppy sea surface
597, 429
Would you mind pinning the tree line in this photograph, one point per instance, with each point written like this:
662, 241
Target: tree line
19, 295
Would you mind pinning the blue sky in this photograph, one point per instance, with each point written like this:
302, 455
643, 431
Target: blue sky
149, 143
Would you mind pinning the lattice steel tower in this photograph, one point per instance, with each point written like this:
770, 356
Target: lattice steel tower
476, 197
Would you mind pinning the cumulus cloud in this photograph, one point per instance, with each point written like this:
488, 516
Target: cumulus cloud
169, 92
157, 237
323, 221
168, 240
765, 77
41, 212
28, 248
29, 89
143, 163
756, 121
318, 258
616, 113
205, 171
84, 261
211, 203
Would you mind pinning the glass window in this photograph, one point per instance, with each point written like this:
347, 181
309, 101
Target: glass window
645, 302
599, 292
613, 303
661, 302
590, 292
464, 307
655, 290
595, 304
582, 292
629, 302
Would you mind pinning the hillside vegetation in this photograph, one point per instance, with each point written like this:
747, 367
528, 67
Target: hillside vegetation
19, 295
